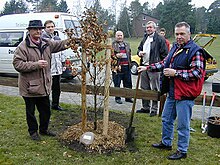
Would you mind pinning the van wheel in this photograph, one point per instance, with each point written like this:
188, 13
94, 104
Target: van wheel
134, 67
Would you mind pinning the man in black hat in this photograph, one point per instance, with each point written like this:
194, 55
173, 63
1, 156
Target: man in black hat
32, 59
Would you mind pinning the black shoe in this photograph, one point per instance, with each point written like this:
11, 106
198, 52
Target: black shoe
177, 155
118, 101
161, 146
47, 133
142, 110
35, 136
129, 100
57, 108
153, 113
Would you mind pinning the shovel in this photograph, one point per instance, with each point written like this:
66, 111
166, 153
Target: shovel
130, 131
210, 107
204, 124
209, 112
203, 114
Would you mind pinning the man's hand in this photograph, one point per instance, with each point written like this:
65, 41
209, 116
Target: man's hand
141, 54
119, 55
42, 63
169, 72
141, 68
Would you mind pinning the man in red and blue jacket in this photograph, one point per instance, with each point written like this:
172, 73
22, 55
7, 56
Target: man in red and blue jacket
183, 77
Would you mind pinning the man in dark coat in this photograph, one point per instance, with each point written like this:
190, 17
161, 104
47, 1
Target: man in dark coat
152, 49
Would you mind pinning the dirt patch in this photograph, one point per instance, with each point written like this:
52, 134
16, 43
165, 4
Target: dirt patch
70, 131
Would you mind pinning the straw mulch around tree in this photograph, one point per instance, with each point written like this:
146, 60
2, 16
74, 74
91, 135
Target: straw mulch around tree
113, 141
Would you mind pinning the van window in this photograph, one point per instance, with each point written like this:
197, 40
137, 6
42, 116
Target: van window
10, 39
72, 24
78, 27
69, 24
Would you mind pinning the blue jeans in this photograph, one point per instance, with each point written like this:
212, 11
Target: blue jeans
182, 109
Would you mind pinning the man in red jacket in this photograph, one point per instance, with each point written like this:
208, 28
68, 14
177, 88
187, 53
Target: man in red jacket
163, 33
184, 70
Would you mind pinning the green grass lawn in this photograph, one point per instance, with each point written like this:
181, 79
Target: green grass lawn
214, 49
17, 148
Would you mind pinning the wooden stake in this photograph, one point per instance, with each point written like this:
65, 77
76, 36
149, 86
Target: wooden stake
83, 91
107, 85
162, 101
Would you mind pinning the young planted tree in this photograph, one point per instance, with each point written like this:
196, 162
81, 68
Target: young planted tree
107, 135
92, 40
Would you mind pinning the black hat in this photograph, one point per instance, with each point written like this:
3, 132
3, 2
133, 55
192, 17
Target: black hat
35, 24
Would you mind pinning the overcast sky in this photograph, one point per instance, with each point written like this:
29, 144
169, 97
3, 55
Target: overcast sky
107, 3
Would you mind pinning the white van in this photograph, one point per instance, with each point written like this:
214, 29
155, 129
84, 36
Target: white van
13, 31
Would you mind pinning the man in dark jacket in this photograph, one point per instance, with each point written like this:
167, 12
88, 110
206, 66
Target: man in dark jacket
152, 49
184, 70
32, 59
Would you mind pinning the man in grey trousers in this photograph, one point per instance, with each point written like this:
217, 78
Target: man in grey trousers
152, 49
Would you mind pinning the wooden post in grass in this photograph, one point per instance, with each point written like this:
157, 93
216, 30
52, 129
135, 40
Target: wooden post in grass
162, 101
106, 89
83, 91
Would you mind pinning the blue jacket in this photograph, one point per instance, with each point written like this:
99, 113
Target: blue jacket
181, 60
